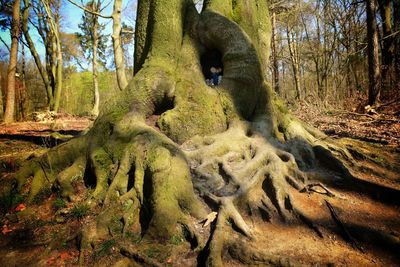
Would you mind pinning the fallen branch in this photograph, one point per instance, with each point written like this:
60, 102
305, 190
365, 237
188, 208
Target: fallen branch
380, 120
352, 113
388, 103
310, 188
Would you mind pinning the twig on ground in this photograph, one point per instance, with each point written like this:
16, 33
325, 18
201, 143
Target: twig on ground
310, 188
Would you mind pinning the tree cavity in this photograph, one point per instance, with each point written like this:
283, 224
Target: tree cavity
212, 66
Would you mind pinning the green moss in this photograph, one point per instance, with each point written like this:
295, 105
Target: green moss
236, 11
281, 106
198, 113
176, 240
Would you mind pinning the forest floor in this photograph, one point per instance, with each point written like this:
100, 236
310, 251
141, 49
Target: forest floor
35, 235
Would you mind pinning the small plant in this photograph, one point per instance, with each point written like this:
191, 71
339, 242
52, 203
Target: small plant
59, 203
152, 252
133, 237
104, 248
79, 211
176, 240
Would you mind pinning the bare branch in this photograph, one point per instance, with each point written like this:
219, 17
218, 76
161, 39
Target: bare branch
90, 11
5, 44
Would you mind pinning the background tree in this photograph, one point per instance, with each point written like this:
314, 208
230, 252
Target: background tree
374, 72
94, 44
12, 67
236, 144
45, 18
116, 36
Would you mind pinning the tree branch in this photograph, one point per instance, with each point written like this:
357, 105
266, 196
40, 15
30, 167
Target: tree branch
90, 11
5, 44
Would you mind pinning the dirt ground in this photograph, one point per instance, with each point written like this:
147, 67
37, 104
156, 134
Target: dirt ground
366, 233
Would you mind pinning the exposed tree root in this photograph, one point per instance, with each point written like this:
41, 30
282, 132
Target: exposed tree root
343, 228
139, 258
242, 175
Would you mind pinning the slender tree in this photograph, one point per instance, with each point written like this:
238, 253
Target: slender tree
12, 67
274, 54
117, 45
94, 44
46, 20
116, 37
374, 72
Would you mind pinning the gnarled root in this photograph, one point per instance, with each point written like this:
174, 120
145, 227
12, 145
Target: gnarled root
141, 184
243, 177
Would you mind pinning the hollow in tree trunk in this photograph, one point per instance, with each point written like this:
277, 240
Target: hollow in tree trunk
231, 151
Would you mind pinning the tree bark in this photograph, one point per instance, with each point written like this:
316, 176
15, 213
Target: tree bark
388, 79
35, 54
396, 20
374, 73
95, 42
118, 53
294, 59
12, 67
275, 66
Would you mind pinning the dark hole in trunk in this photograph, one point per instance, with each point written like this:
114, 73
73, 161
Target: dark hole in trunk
166, 104
131, 178
146, 211
89, 176
212, 58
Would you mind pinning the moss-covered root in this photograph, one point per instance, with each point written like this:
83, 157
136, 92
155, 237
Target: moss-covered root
147, 190
67, 158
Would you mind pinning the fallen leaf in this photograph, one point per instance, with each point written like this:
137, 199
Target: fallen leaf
20, 207
51, 261
6, 230
210, 218
64, 256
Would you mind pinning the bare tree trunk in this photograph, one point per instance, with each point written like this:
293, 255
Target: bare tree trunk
59, 65
59, 79
35, 54
374, 73
387, 48
95, 110
118, 53
12, 67
275, 66
396, 19
294, 59
20, 89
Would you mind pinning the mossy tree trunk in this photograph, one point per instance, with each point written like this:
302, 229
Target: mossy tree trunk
233, 146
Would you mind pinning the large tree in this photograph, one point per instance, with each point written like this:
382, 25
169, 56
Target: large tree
232, 149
